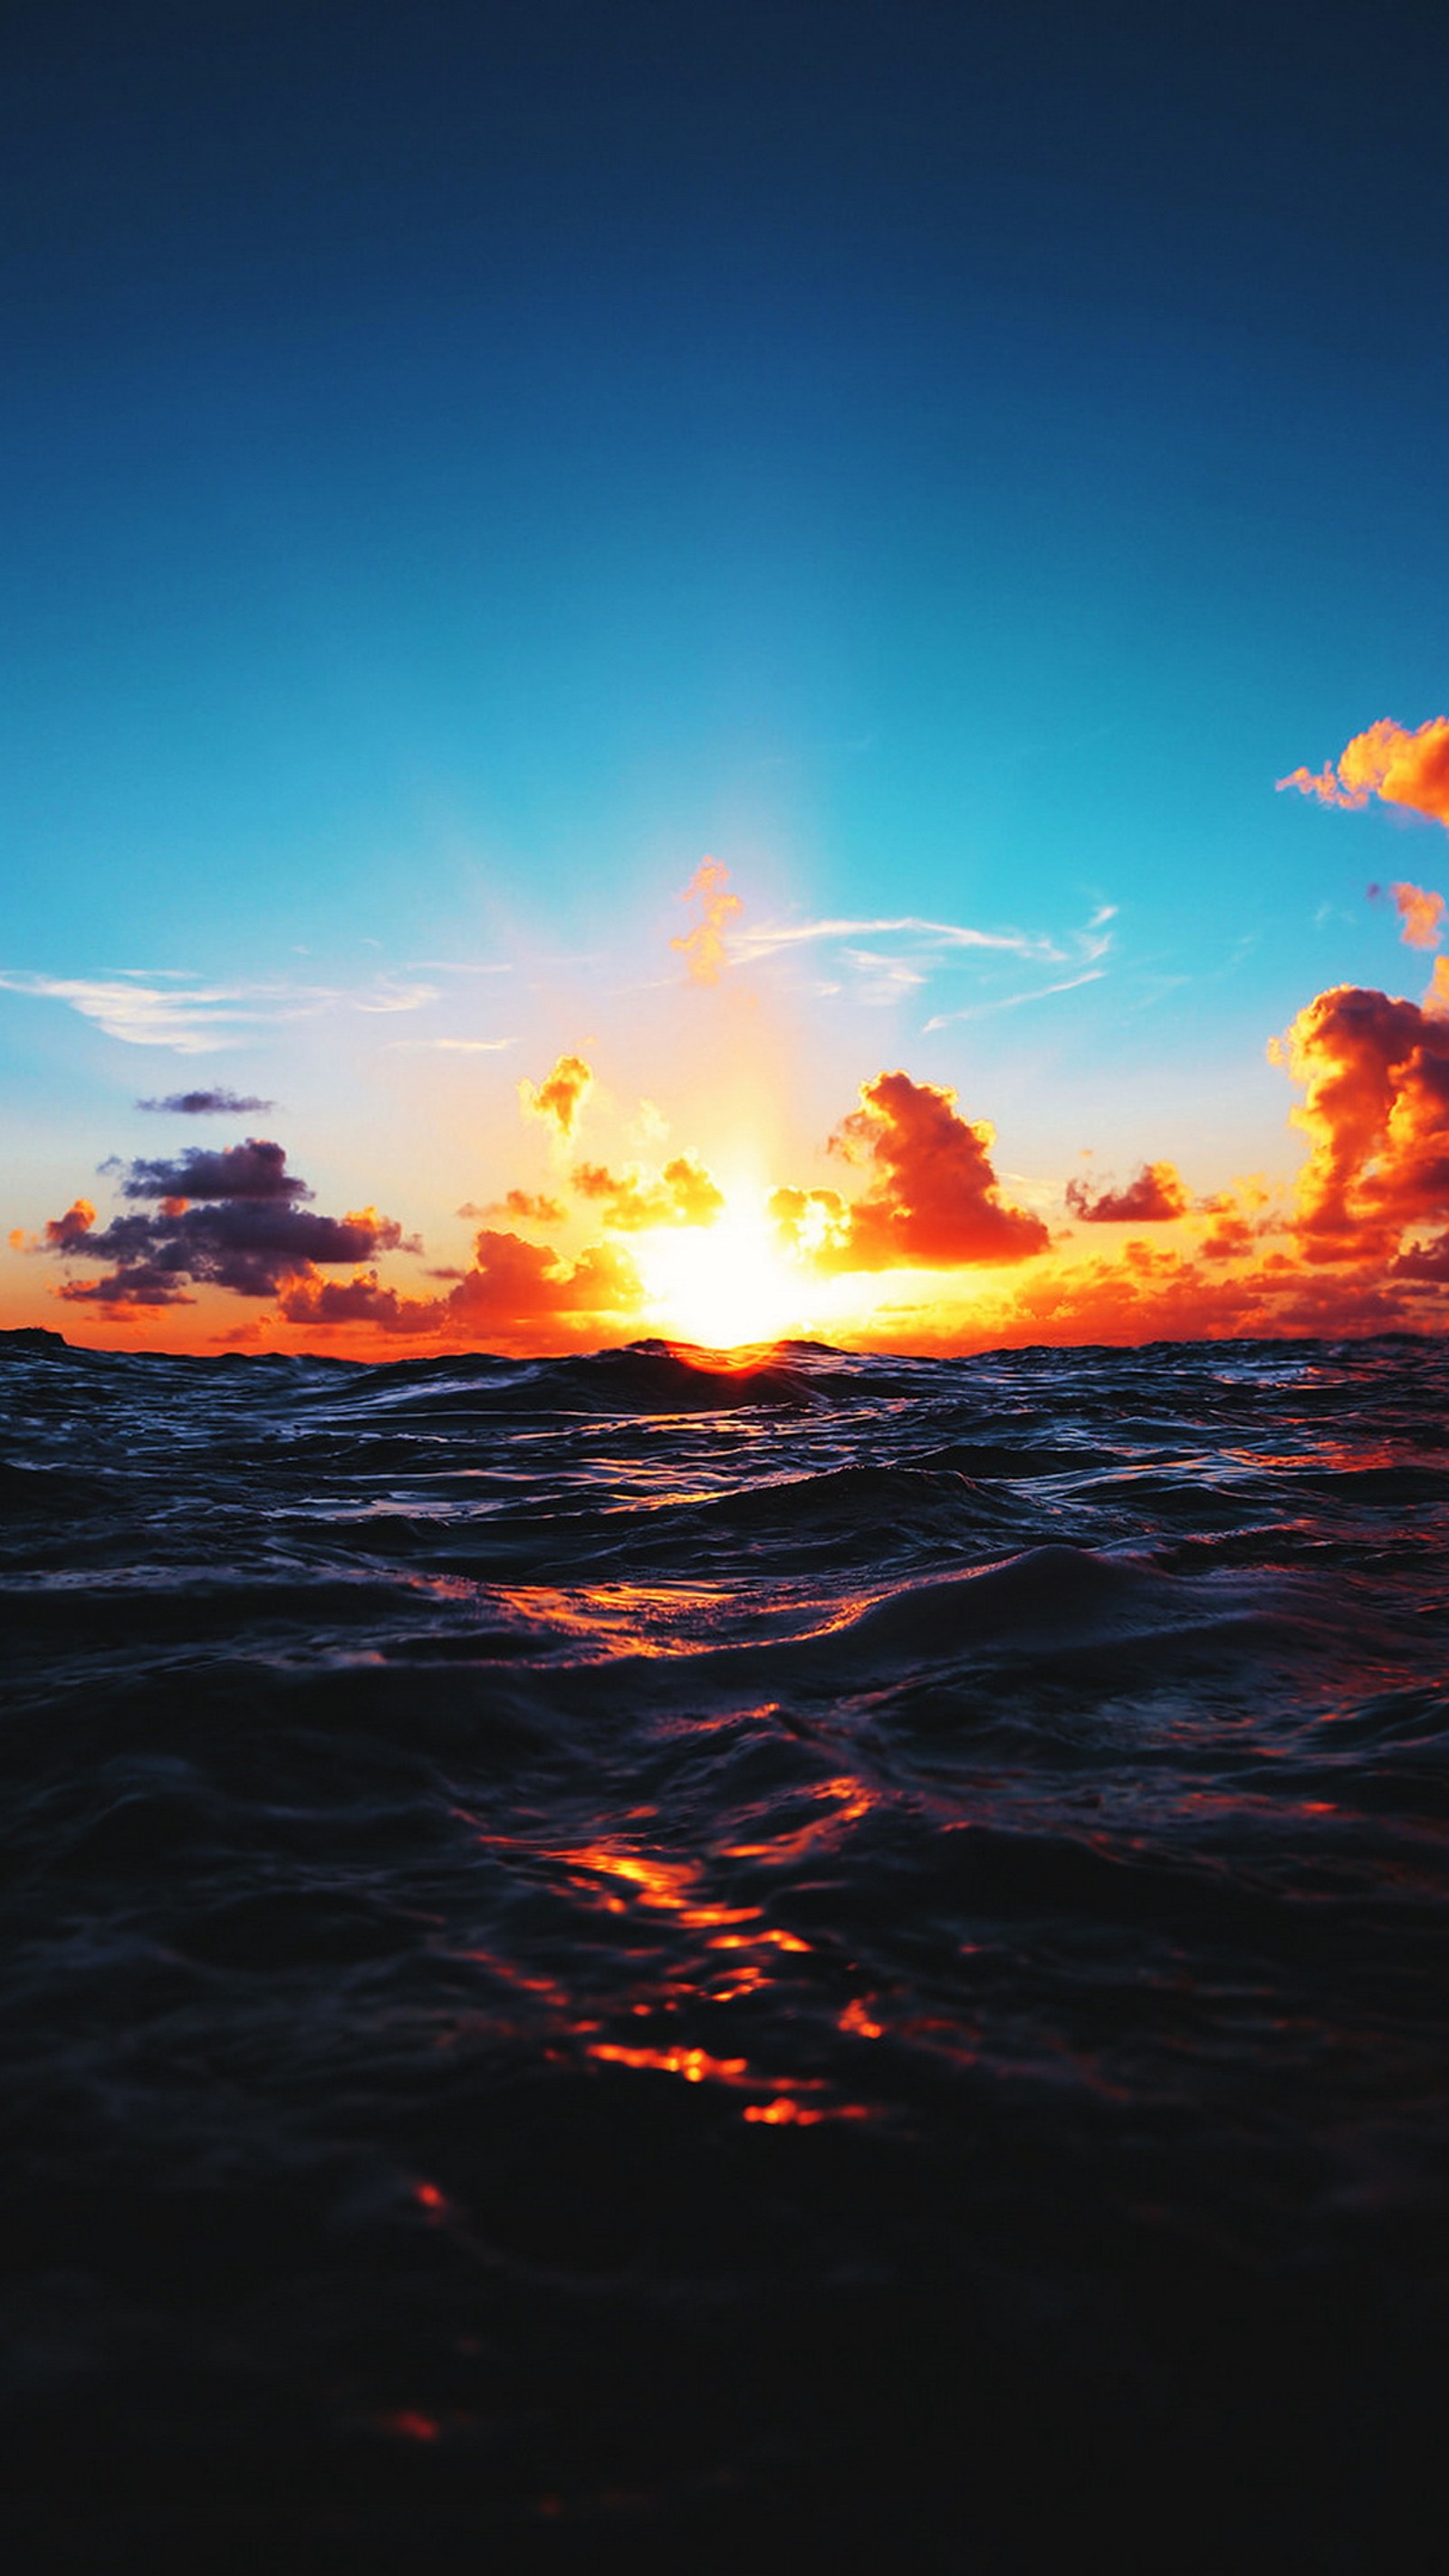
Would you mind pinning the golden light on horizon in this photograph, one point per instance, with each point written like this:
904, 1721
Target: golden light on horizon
725, 1284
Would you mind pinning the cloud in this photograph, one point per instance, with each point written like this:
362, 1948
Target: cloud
1399, 766
1376, 1113
451, 1046
228, 1220
704, 946
530, 1206
60, 1231
1154, 1197
1147, 1293
209, 1104
150, 1008
684, 1194
255, 1170
767, 939
560, 1097
1013, 1001
1421, 914
514, 1291
934, 1201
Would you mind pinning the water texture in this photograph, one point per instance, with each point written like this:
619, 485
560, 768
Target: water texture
612, 1961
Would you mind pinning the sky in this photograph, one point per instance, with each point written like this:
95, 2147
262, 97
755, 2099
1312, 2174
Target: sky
919, 477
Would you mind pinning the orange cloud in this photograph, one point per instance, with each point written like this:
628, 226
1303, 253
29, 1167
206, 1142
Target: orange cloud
684, 1194
1376, 1111
1399, 766
1152, 1198
1365, 1248
514, 1293
1421, 914
531, 1207
60, 1231
1146, 1293
704, 946
560, 1097
934, 1202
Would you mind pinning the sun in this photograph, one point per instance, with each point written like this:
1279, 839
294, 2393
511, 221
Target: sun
724, 1284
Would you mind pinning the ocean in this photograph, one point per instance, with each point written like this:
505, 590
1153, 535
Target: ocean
619, 1960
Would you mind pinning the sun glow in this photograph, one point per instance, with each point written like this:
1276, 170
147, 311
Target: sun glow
725, 1284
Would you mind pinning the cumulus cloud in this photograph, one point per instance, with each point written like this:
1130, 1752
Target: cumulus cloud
933, 1199
230, 1220
515, 1293
1376, 1113
1154, 1197
255, 1170
210, 1104
560, 1097
1390, 761
704, 945
60, 1231
683, 1194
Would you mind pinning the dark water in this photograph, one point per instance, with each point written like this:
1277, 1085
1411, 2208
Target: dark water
610, 1964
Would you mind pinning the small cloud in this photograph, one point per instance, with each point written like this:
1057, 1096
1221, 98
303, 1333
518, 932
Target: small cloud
528, 1207
449, 1046
1421, 914
1153, 1197
704, 946
560, 1097
209, 1104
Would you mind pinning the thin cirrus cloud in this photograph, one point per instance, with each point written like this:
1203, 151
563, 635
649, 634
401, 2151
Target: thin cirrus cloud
450, 1046
770, 939
1014, 1001
875, 974
151, 1007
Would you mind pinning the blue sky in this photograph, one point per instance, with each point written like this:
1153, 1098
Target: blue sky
464, 464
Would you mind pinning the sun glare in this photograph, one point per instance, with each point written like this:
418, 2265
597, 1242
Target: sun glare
724, 1284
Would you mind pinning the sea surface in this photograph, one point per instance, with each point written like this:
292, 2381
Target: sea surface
618, 1961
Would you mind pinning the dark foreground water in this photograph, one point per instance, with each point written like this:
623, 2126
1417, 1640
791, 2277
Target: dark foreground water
610, 1964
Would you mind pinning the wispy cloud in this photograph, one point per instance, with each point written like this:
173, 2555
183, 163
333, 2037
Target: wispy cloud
1013, 1001
149, 1006
768, 938
450, 1046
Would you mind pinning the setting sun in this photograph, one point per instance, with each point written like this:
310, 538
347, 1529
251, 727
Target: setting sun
724, 1284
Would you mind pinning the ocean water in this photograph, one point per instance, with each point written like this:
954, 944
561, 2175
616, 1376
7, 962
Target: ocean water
613, 1961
